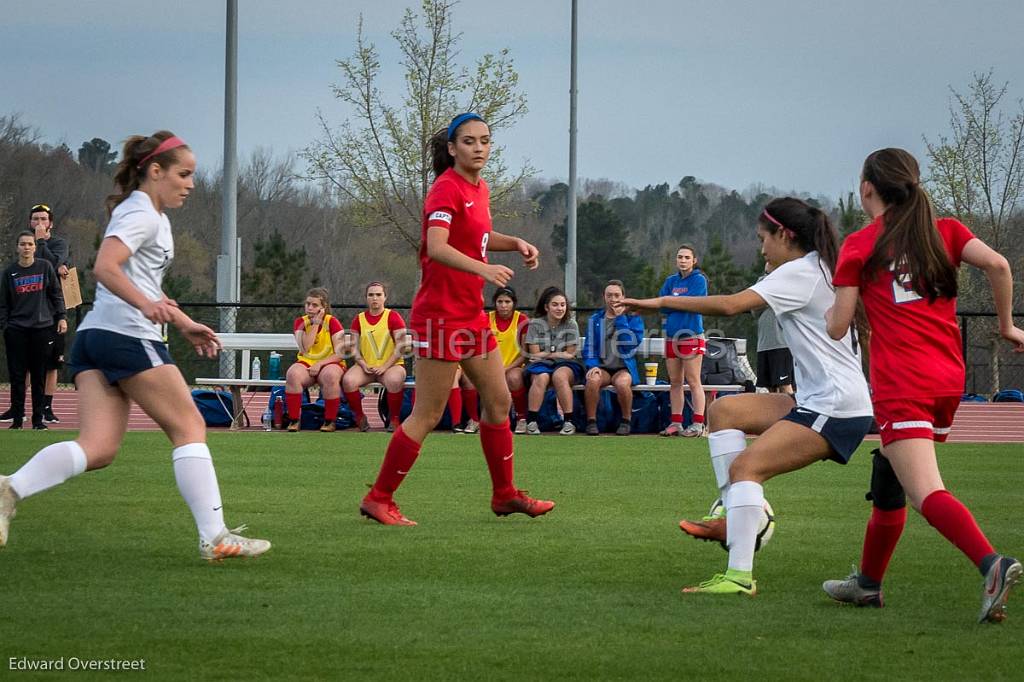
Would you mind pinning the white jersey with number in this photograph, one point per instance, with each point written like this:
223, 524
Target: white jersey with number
147, 234
829, 378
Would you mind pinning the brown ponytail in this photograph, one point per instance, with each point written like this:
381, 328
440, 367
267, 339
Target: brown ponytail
440, 159
128, 176
810, 227
909, 236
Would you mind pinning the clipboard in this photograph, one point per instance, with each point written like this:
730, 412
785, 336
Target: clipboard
71, 289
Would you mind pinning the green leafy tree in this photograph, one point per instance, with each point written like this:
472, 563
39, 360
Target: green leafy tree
378, 158
278, 275
851, 216
96, 155
602, 252
726, 277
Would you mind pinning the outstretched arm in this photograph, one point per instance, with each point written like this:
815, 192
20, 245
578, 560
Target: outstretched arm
732, 304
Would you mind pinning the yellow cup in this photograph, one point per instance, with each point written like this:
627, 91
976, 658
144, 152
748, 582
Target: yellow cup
651, 373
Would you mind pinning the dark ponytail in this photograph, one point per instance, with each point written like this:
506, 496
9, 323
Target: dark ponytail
440, 159
909, 236
128, 176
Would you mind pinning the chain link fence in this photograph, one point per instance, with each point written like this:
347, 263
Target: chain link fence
991, 363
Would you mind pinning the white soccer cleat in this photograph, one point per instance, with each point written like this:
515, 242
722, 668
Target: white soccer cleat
7, 511
230, 545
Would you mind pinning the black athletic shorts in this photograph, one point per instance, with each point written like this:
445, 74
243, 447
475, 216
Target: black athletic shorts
55, 349
775, 368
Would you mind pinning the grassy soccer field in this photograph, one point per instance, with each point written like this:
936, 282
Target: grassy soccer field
106, 566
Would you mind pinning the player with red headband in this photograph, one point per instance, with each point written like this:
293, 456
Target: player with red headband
903, 266
378, 343
449, 325
119, 355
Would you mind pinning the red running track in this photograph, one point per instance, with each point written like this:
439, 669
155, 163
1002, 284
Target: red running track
974, 423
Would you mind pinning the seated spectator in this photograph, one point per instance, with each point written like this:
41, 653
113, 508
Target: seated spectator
321, 341
551, 341
378, 342
508, 326
609, 354
31, 306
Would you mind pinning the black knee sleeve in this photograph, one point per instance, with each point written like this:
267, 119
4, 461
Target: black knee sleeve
886, 490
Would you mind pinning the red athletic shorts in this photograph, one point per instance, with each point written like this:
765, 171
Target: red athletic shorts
685, 348
900, 419
437, 342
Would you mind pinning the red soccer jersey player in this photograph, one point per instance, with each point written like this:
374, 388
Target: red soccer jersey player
449, 325
904, 268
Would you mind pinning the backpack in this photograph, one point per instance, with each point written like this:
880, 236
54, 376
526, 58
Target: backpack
1010, 395
721, 364
215, 407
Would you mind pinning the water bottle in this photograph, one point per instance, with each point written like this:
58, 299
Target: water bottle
274, 367
268, 418
255, 374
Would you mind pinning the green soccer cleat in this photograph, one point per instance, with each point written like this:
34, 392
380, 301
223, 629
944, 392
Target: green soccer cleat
730, 582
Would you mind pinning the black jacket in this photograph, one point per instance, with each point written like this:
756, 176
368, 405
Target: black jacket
31, 296
55, 249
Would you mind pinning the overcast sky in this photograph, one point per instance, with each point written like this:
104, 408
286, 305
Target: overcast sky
789, 94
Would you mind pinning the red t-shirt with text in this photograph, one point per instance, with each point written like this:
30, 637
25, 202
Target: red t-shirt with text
916, 351
448, 297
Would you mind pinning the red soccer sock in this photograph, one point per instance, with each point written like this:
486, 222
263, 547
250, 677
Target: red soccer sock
455, 405
398, 460
677, 418
331, 409
883, 532
471, 399
519, 401
395, 406
496, 440
293, 401
698, 419
950, 517
355, 403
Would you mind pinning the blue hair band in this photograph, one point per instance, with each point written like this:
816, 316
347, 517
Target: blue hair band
459, 120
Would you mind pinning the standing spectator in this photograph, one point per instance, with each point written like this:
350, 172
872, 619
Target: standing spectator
609, 354
321, 341
774, 361
551, 341
30, 306
684, 344
54, 249
378, 342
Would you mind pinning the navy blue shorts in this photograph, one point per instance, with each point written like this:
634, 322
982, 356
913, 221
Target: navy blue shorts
118, 356
843, 435
543, 368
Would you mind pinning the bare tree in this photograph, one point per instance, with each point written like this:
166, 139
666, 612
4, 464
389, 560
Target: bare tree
378, 157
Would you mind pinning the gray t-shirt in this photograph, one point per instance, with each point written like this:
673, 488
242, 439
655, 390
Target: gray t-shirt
610, 358
769, 332
556, 339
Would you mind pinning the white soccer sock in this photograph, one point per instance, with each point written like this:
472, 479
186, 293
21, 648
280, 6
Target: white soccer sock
724, 446
50, 467
743, 516
197, 482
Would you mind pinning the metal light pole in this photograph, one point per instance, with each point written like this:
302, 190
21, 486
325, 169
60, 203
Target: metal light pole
570, 221
228, 265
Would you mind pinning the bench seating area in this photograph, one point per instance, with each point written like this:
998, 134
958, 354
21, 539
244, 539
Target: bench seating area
247, 342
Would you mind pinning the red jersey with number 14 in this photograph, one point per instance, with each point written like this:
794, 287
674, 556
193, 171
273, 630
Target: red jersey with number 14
916, 351
448, 297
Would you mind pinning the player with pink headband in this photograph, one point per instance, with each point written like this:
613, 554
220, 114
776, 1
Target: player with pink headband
828, 417
119, 355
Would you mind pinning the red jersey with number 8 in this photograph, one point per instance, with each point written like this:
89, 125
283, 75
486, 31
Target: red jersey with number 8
448, 297
916, 351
